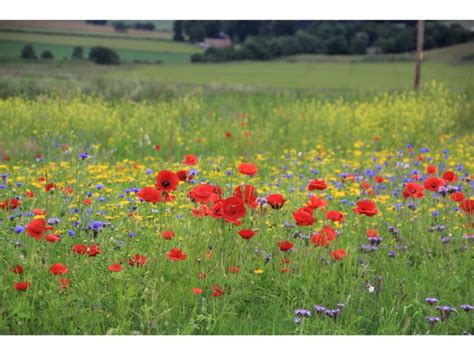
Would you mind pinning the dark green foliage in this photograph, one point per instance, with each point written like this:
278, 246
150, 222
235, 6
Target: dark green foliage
77, 53
359, 43
279, 38
47, 54
146, 26
178, 31
120, 26
97, 22
28, 52
104, 55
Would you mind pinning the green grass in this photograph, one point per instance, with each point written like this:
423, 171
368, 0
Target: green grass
158, 45
10, 51
129, 49
320, 76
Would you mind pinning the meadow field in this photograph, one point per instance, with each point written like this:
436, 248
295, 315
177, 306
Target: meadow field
297, 196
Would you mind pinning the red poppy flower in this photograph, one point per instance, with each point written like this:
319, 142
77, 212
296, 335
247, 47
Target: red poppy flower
22, 286
17, 269
249, 195
64, 282
248, 169
373, 233
317, 185
378, 179
190, 159
328, 232
228, 135
320, 240
157, 147
10, 204
58, 269
217, 291
234, 269
115, 267
51, 187
433, 184
457, 196
364, 185
168, 235
87, 202
93, 250
138, 260
6, 157
217, 209
233, 208
197, 291
431, 169
201, 211
166, 181
450, 176
29, 194
176, 254
276, 201
150, 194
285, 245
335, 216
182, 174
338, 254
52, 238
413, 190
467, 206
36, 228
316, 202
246, 233
304, 216
366, 207
39, 212
203, 193
79, 249
68, 190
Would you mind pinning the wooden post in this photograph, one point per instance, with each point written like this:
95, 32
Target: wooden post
419, 52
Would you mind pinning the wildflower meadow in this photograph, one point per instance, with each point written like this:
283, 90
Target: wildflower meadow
237, 214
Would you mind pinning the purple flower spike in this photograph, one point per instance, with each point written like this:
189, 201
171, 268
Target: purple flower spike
431, 300
319, 309
432, 320
302, 313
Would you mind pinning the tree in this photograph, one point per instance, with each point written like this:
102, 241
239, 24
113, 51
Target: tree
359, 43
77, 53
178, 31
336, 45
120, 26
28, 52
103, 55
308, 43
47, 54
97, 22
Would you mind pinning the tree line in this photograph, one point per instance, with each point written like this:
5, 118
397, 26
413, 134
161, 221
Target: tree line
261, 40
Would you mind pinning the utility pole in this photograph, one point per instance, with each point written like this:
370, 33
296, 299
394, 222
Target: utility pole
419, 52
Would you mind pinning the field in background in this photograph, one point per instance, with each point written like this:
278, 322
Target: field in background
60, 37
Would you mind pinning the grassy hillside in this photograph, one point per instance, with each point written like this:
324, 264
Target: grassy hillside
322, 76
129, 49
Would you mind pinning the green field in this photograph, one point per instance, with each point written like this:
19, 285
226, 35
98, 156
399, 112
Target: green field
320, 76
10, 51
129, 49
